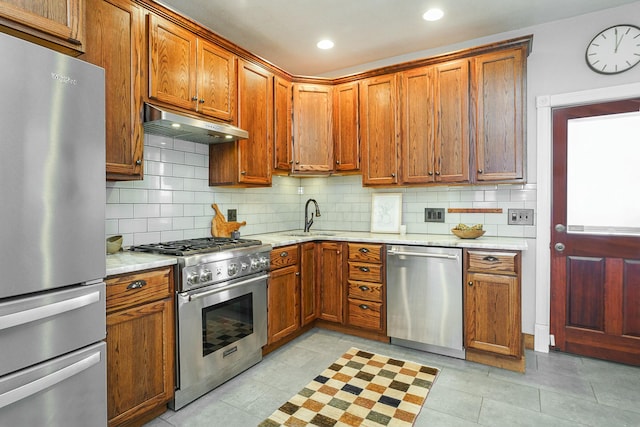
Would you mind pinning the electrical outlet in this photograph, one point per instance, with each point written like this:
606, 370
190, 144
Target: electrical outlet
232, 214
434, 215
520, 216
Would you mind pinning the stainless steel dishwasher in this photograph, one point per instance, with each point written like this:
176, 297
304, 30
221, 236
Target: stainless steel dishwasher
424, 298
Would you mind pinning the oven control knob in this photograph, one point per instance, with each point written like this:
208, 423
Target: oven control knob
206, 275
244, 266
233, 269
219, 271
193, 278
254, 264
264, 262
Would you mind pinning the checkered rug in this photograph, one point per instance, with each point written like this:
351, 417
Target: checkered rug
359, 389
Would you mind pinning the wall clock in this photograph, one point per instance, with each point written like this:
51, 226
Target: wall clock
614, 50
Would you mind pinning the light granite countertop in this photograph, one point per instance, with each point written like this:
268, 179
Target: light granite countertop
129, 262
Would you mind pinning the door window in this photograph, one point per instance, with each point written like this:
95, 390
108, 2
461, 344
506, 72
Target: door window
226, 323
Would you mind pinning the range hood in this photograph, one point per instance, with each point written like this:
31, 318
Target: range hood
158, 121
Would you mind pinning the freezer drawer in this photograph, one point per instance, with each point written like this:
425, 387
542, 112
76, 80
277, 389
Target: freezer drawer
68, 391
47, 325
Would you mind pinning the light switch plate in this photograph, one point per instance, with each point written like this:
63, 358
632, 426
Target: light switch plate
520, 216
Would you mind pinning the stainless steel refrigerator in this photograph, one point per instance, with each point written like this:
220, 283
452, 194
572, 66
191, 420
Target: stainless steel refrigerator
52, 247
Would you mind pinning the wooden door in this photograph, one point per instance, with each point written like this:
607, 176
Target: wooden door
255, 107
308, 289
283, 303
217, 88
451, 121
418, 127
379, 130
172, 63
331, 262
115, 41
595, 277
346, 136
282, 152
312, 129
498, 113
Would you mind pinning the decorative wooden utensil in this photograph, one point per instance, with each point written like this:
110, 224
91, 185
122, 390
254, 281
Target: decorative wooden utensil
219, 225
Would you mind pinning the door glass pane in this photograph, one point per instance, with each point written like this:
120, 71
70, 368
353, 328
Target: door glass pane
603, 174
226, 323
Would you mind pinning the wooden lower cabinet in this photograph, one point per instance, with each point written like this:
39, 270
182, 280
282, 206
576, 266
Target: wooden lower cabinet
366, 291
492, 309
140, 346
283, 294
309, 296
331, 262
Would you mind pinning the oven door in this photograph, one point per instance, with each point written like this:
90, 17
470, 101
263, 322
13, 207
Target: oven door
221, 331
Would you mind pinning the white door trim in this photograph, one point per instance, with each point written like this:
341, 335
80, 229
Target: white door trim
544, 105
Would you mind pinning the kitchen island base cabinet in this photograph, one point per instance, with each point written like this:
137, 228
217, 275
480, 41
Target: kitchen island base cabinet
492, 309
140, 346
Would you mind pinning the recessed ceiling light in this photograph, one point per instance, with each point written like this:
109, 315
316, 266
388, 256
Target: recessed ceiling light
325, 44
433, 15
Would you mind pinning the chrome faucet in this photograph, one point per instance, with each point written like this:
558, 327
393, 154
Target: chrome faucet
309, 221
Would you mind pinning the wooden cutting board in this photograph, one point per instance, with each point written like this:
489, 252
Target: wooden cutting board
220, 227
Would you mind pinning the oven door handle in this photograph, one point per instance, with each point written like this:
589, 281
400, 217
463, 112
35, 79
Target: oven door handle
194, 297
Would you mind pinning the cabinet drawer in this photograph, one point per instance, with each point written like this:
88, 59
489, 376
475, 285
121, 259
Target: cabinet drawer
129, 290
284, 256
365, 252
365, 290
493, 261
365, 314
365, 271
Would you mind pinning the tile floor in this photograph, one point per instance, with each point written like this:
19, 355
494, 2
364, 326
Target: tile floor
557, 390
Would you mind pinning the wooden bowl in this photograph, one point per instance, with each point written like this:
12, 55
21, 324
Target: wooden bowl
468, 234
114, 244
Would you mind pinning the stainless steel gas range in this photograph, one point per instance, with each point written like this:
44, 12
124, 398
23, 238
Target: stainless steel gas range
221, 303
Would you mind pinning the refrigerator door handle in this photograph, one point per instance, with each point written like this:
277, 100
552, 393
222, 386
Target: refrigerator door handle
50, 380
49, 310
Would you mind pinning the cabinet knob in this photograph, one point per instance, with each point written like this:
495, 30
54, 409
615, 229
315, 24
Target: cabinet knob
337, 162
194, 98
364, 269
393, 175
430, 173
284, 254
139, 162
137, 284
290, 162
470, 283
480, 170
364, 288
364, 306
437, 173
243, 172
201, 100
297, 162
363, 250
297, 273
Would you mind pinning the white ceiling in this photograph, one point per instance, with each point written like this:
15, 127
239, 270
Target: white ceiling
285, 32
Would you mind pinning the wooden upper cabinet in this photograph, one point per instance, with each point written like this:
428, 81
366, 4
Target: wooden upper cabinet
172, 63
189, 72
346, 136
56, 24
115, 41
247, 162
435, 123
282, 146
312, 135
497, 87
379, 130
217, 87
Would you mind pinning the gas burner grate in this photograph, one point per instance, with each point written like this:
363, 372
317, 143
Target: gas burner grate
195, 246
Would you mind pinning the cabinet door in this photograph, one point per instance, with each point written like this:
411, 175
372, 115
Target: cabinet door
255, 106
283, 298
217, 88
379, 130
492, 314
57, 24
140, 368
418, 127
115, 42
308, 288
172, 63
451, 121
331, 262
346, 136
498, 93
282, 154
312, 142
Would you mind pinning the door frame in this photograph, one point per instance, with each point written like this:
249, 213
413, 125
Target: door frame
544, 129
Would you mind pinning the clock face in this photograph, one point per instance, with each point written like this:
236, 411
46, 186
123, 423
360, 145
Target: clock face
614, 50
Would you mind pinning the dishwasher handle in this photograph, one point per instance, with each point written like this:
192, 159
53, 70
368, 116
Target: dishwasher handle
421, 254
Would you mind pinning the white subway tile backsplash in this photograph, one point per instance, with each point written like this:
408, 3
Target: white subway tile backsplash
132, 226
133, 196
146, 210
172, 156
160, 224
160, 196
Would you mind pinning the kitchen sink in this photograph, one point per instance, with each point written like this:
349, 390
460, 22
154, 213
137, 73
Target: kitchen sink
309, 233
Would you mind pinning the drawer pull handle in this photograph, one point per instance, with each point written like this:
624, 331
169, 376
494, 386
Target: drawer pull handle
364, 306
137, 284
364, 288
284, 254
364, 269
364, 250
490, 258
